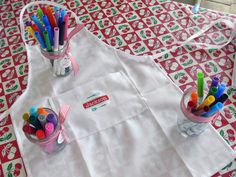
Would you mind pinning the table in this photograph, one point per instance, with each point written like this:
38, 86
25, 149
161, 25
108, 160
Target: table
139, 27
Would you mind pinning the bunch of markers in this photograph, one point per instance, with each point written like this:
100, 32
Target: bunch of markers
210, 104
40, 122
49, 27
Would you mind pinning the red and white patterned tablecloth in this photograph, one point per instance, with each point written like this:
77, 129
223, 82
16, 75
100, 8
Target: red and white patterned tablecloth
135, 26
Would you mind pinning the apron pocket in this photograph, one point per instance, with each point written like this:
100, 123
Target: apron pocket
100, 104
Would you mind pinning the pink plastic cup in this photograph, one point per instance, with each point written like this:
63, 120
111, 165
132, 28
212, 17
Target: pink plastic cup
188, 123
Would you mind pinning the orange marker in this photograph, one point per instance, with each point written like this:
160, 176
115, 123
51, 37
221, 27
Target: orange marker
42, 111
194, 98
51, 17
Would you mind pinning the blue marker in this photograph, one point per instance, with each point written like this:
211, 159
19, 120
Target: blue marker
37, 22
33, 111
214, 109
220, 91
40, 39
45, 20
63, 13
196, 8
50, 33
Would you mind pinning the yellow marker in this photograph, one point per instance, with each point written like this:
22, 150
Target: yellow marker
31, 31
26, 116
209, 100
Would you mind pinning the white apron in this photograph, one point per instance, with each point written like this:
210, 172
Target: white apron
131, 128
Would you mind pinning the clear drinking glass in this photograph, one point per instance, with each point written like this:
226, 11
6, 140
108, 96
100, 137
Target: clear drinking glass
54, 142
60, 60
188, 123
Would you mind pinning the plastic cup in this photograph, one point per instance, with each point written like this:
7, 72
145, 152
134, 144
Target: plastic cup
188, 123
54, 142
61, 64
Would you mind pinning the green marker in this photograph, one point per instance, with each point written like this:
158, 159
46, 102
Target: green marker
47, 41
200, 86
40, 14
213, 91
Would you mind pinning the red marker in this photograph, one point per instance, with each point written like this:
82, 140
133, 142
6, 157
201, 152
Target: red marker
36, 28
190, 105
40, 134
28, 129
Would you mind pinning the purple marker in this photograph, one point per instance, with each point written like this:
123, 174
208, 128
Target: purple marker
51, 118
56, 39
28, 23
215, 82
61, 34
49, 129
57, 16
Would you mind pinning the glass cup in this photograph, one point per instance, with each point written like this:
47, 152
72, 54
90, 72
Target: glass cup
188, 123
61, 64
54, 142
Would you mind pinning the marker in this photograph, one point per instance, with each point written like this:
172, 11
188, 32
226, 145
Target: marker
214, 109
57, 16
40, 134
51, 118
40, 14
212, 91
44, 10
61, 34
49, 129
42, 111
45, 20
190, 106
63, 13
200, 85
209, 100
47, 41
26, 116
196, 6
33, 111
31, 31
56, 8
56, 39
215, 82
28, 129
37, 22
51, 17
40, 39
221, 99
66, 20
35, 28
194, 97
35, 122
42, 119
28, 23
50, 33
202, 111
220, 91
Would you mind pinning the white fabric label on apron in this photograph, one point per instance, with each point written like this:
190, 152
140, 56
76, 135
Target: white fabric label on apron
95, 101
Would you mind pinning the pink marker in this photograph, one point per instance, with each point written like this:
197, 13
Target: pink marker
66, 19
56, 39
49, 128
